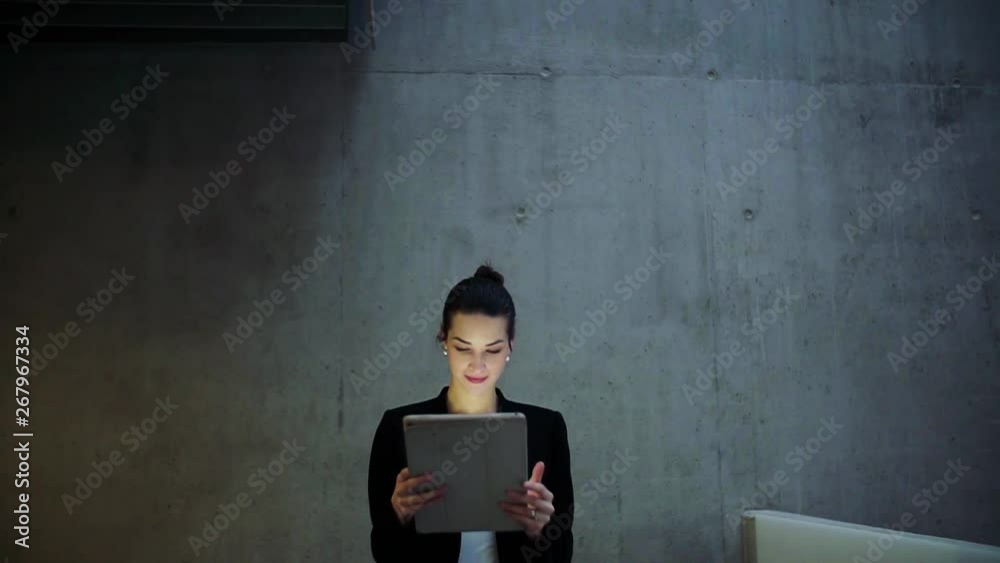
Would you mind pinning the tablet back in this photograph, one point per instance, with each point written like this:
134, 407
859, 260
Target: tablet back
479, 456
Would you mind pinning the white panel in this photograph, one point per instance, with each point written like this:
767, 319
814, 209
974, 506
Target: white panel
779, 537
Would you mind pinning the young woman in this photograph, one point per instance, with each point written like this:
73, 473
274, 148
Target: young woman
477, 338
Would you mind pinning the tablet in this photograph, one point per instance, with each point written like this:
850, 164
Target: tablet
479, 456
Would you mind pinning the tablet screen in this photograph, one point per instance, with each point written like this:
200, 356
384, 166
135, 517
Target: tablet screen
479, 456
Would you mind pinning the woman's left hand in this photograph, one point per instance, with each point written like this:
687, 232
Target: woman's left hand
532, 495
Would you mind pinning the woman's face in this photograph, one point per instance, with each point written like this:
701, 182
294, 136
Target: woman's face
477, 351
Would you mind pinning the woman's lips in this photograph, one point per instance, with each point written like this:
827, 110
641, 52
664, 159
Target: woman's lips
474, 380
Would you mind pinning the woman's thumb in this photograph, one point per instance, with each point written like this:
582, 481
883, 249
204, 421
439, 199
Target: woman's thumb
536, 473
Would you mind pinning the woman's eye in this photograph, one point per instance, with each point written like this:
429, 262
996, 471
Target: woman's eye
490, 351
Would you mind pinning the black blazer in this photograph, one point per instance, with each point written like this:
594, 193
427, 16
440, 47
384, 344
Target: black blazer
392, 542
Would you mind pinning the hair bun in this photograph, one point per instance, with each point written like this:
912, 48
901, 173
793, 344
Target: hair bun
487, 272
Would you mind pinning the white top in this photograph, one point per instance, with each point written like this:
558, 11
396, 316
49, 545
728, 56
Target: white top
478, 547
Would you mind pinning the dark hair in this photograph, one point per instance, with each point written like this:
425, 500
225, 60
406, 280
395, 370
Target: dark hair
482, 293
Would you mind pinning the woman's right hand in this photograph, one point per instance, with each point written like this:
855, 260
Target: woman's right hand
412, 494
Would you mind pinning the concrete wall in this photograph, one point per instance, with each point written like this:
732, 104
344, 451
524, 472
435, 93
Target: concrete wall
706, 439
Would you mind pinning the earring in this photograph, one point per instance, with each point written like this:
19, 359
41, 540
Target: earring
445, 352
508, 358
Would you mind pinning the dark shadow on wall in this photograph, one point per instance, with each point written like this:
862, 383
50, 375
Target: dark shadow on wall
193, 206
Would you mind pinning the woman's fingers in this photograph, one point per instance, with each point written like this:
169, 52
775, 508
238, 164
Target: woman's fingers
406, 507
538, 505
539, 488
419, 497
524, 521
516, 509
420, 504
413, 493
420, 488
532, 526
423, 488
538, 502
524, 507
402, 477
420, 484
407, 482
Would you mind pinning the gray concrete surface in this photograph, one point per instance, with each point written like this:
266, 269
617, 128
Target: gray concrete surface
631, 385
